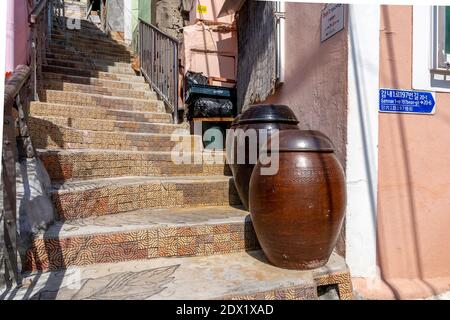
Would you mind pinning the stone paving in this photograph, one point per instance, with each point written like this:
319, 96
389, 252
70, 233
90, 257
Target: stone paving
235, 276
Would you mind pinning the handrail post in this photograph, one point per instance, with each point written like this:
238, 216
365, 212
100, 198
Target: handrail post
176, 98
8, 178
64, 15
34, 62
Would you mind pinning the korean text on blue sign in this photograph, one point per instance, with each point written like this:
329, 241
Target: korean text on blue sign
407, 101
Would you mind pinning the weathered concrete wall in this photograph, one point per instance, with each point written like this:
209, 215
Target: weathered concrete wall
256, 52
168, 17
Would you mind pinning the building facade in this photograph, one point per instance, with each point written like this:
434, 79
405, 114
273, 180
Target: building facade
395, 238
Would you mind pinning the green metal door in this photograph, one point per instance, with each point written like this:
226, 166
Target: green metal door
145, 10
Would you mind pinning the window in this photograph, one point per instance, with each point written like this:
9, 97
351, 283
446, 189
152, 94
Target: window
441, 20
431, 48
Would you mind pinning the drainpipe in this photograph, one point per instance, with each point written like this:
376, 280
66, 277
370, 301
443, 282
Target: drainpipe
10, 38
280, 39
4, 17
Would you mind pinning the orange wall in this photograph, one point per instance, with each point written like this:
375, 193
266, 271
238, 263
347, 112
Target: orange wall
414, 167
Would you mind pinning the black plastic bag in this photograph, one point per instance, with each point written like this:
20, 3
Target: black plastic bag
210, 107
195, 78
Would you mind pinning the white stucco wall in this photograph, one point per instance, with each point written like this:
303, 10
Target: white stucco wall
128, 21
362, 139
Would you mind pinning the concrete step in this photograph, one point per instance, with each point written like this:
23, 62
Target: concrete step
109, 125
84, 25
63, 110
78, 37
112, 84
75, 87
97, 100
99, 197
47, 135
233, 276
90, 66
66, 165
92, 34
93, 46
93, 74
68, 51
88, 52
143, 234
71, 57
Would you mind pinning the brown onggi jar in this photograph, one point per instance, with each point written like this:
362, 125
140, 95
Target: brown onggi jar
257, 117
298, 212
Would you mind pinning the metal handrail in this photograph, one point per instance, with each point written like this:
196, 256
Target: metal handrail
16, 106
20, 89
158, 53
37, 10
41, 23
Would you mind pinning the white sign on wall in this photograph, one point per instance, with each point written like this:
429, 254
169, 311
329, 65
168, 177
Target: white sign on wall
332, 21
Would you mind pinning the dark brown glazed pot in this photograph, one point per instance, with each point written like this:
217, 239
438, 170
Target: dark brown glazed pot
269, 117
230, 144
298, 212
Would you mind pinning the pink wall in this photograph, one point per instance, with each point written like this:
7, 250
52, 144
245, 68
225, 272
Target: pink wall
414, 176
315, 84
17, 44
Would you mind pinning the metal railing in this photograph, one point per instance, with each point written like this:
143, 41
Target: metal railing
21, 88
158, 53
15, 137
41, 20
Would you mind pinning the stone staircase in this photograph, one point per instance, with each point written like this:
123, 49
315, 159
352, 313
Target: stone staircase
124, 209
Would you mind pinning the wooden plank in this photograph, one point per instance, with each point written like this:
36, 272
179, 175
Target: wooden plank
214, 119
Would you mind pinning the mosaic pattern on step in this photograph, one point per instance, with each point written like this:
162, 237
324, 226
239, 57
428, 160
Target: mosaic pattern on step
47, 135
76, 204
201, 240
93, 165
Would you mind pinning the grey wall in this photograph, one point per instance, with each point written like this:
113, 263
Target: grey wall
168, 18
115, 15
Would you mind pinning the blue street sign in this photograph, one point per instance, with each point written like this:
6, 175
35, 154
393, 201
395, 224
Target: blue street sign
407, 101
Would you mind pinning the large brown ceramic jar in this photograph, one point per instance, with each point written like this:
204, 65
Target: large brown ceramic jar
257, 117
230, 144
298, 212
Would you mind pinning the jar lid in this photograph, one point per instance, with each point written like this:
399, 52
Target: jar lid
301, 141
268, 113
235, 121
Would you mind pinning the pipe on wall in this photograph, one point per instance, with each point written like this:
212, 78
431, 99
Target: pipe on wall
281, 44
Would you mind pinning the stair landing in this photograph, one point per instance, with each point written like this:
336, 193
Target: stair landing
235, 276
